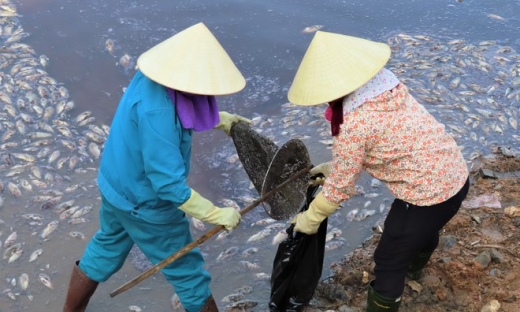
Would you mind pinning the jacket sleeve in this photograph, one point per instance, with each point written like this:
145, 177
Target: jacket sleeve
163, 163
348, 154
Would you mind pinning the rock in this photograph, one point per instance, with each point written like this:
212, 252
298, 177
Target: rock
447, 242
492, 306
496, 256
512, 211
494, 272
486, 200
483, 259
346, 309
441, 294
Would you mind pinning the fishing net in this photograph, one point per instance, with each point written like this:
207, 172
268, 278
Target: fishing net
268, 166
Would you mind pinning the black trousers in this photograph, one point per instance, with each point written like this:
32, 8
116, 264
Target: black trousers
409, 230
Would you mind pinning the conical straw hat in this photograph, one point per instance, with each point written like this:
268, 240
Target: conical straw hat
192, 61
334, 66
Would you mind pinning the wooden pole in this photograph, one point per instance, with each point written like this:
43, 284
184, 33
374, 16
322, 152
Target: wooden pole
156, 268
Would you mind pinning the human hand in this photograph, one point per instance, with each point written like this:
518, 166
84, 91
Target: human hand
309, 221
228, 217
227, 120
324, 169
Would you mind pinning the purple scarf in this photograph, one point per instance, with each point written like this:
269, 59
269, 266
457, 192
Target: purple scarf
197, 112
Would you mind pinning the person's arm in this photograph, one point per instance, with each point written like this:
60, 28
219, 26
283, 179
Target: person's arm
348, 154
164, 166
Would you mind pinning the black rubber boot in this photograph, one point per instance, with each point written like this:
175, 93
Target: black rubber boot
378, 303
416, 267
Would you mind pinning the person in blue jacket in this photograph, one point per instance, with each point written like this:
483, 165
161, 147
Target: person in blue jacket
145, 164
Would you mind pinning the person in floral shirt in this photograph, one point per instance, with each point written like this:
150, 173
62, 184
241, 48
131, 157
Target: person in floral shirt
379, 127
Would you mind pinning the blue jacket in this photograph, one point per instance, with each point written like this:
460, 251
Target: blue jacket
146, 159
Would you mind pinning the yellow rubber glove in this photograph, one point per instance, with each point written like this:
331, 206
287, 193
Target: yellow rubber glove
227, 120
323, 168
204, 210
309, 221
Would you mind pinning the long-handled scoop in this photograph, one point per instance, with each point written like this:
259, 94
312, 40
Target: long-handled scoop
156, 268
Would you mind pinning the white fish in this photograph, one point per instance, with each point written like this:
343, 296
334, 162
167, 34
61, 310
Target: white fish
15, 256
364, 214
250, 265
35, 254
279, 237
352, 214
14, 190
24, 281
311, 29
263, 276
10, 240
333, 245
231, 251
260, 235
335, 232
134, 308
249, 252
76, 234
199, 225
176, 302
49, 228
46, 280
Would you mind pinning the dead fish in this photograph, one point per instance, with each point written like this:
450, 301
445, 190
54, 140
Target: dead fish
50, 203
352, 214
249, 252
496, 17
134, 308
17, 254
11, 250
265, 221
94, 150
335, 232
76, 234
46, 280
233, 298
249, 265
199, 225
334, 245
23, 280
263, 276
81, 212
260, 235
231, 251
10, 240
68, 212
125, 60
311, 29
77, 220
35, 254
109, 45
175, 301
364, 214
279, 237
49, 228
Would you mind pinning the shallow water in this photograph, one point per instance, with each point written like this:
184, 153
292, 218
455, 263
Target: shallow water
266, 42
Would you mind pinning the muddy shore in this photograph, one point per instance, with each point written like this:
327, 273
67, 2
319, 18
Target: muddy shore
475, 268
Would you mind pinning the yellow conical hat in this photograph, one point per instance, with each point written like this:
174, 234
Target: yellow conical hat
334, 66
192, 61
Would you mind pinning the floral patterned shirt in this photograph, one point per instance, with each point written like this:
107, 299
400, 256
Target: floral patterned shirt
396, 140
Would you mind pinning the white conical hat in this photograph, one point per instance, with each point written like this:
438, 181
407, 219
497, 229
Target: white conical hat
334, 66
192, 61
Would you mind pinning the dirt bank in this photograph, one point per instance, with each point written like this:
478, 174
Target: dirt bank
477, 261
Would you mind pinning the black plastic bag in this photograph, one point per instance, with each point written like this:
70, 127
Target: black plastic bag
298, 265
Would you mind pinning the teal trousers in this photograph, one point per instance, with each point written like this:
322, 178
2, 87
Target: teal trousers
119, 230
